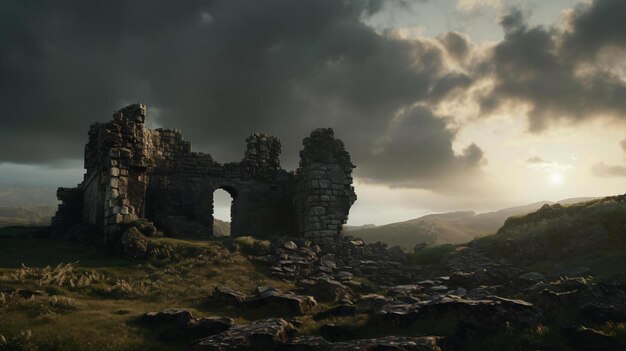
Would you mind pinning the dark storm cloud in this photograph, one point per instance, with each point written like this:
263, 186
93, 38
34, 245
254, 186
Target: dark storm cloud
220, 70
553, 70
409, 143
457, 44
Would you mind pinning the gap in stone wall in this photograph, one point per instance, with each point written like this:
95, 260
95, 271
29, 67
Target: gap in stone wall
222, 208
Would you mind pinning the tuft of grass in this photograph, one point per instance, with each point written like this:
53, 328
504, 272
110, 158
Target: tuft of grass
251, 246
431, 255
21, 341
311, 326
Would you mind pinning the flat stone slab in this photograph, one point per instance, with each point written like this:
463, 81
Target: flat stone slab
264, 334
391, 343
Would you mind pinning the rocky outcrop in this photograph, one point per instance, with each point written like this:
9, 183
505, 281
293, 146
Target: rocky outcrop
588, 339
264, 334
266, 297
225, 296
597, 302
495, 314
274, 299
179, 324
391, 343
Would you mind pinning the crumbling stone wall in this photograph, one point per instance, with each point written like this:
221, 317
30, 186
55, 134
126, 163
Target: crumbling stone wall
137, 174
324, 191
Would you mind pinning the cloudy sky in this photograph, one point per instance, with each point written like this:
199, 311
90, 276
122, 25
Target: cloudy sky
444, 104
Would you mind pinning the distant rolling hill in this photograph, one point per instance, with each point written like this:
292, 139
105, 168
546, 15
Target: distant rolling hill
445, 228
26, 195
26, 215
220, 228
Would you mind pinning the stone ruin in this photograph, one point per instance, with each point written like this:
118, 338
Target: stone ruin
135, 174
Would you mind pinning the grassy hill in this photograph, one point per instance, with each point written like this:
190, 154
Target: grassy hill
446, 228
559, 233
221, 228
26, 215
26, 195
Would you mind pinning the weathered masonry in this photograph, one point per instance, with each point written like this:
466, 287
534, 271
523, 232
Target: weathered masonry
138, 174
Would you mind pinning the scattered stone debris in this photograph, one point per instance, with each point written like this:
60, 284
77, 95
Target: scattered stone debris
327, 269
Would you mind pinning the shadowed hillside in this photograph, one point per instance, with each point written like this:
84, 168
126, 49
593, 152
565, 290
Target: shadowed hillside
561, 232
446, 228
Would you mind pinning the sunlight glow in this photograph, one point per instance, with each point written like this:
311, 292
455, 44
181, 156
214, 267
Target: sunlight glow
556, 179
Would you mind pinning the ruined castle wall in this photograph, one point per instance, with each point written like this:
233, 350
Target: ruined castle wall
259, 187
133, 172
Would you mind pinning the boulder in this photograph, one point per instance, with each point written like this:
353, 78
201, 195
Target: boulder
338, 331
133, 245
179, 324
532, 277
372, 302
325, 289
278, 301
493, 314
223, 295
403, 290
207, 326
264, 334
387, 343
171, 316
597, 302
290, 245
337, 311
583, 338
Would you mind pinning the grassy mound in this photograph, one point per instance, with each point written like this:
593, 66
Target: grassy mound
85, 300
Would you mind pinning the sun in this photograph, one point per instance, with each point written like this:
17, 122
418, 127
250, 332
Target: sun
556, 179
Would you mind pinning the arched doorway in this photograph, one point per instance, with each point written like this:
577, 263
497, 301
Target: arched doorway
223, 211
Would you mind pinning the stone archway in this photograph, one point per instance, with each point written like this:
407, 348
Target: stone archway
224, 226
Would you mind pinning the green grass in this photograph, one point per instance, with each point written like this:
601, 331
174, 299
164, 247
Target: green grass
251, 246
98, 314
432, 255
18, 246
